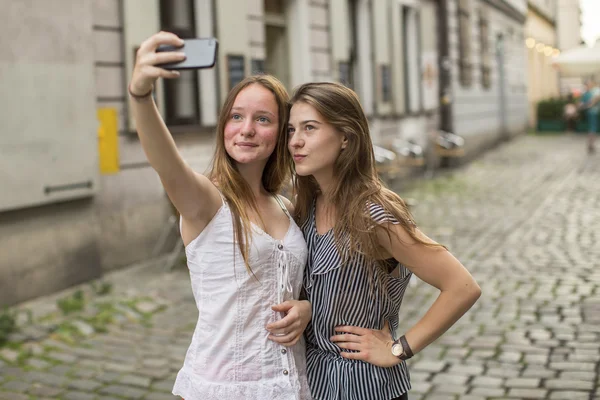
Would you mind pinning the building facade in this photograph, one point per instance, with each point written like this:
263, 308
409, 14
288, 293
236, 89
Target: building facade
542, 44
487, 65
568, 29
417, 66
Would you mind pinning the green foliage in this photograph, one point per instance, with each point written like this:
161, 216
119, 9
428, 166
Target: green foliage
102, 288
73, 303
552, 109
8, 324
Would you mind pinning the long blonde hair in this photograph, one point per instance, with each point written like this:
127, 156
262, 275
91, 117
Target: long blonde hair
356, 183
224, 172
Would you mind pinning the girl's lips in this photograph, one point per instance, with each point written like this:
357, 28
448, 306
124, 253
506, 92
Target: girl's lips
298, 157
246, 144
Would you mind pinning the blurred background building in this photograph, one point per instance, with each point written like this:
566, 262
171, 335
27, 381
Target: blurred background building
568, 29
78, 197
541, 42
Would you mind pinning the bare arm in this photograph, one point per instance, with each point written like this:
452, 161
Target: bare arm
194, 196
439, 268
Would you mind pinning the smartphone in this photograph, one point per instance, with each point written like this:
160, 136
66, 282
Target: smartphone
200, 53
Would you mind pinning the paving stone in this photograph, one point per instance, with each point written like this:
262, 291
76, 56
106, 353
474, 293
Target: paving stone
464, 369
538, 372
167, 385
523, 383
578, 376
135, 380
429, 366
570, 366
5, 395
123, 391
528, 393
568, 384
73, 395
417, 387
9, 355
84, 385
40, 390
448, 379
488, 392
108, 377
13, 372
569, 395
487, 381
62, 357
38, 363
163, 396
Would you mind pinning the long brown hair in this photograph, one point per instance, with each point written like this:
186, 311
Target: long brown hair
224, 172
356, 183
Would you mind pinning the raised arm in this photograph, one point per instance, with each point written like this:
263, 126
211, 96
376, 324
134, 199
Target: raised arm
194, 196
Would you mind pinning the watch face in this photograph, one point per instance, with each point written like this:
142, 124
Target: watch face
397, 349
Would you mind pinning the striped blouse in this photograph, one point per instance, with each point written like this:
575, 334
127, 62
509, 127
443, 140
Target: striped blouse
343, 295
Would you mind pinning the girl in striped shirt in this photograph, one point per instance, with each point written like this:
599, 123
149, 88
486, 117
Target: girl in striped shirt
363, 247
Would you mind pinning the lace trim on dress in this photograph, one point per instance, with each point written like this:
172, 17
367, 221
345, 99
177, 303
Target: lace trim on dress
190, 387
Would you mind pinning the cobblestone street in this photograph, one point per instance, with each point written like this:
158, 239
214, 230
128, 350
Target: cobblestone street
524, 219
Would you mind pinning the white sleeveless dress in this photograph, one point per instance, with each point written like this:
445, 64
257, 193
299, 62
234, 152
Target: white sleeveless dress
230, 356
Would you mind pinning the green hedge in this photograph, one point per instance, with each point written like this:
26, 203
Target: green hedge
551, 109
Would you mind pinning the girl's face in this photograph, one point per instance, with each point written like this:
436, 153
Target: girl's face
253, 126
314, 143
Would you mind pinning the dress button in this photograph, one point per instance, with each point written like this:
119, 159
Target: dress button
285, 372
283, 351
280, 246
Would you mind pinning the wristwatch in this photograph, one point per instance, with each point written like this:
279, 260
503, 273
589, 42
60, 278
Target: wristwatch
401, 349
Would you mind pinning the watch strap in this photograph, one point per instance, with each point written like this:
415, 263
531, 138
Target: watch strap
405, 347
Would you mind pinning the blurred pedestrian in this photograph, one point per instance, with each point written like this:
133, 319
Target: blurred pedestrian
246, 256
590, 102
363, 248
570, 114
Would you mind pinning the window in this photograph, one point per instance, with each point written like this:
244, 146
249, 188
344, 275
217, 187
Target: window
258, 66
345, 73
182, 103
235, 70
386, 84
412, 59
484, 39
464, 31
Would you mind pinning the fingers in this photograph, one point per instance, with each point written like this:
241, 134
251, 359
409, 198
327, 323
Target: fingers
162, 37
283, 307
287, 340
345, 338
156, 72
284, 324
350, 346
353, 329
355, 356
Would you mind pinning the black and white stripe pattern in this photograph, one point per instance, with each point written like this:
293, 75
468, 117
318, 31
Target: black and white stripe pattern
343, 295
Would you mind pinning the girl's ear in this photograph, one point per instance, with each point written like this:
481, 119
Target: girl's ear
344, 142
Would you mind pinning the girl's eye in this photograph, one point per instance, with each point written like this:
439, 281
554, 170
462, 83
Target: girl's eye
263, 120
236, 117
309, 127
291, 130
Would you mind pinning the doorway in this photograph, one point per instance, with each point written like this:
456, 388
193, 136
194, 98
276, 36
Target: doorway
181, 94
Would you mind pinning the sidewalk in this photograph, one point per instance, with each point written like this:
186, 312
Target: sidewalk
524, 219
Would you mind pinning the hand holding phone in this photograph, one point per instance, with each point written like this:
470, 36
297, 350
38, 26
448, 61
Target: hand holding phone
199, 53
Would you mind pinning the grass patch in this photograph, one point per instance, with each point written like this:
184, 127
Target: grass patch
8, 325
73, 303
